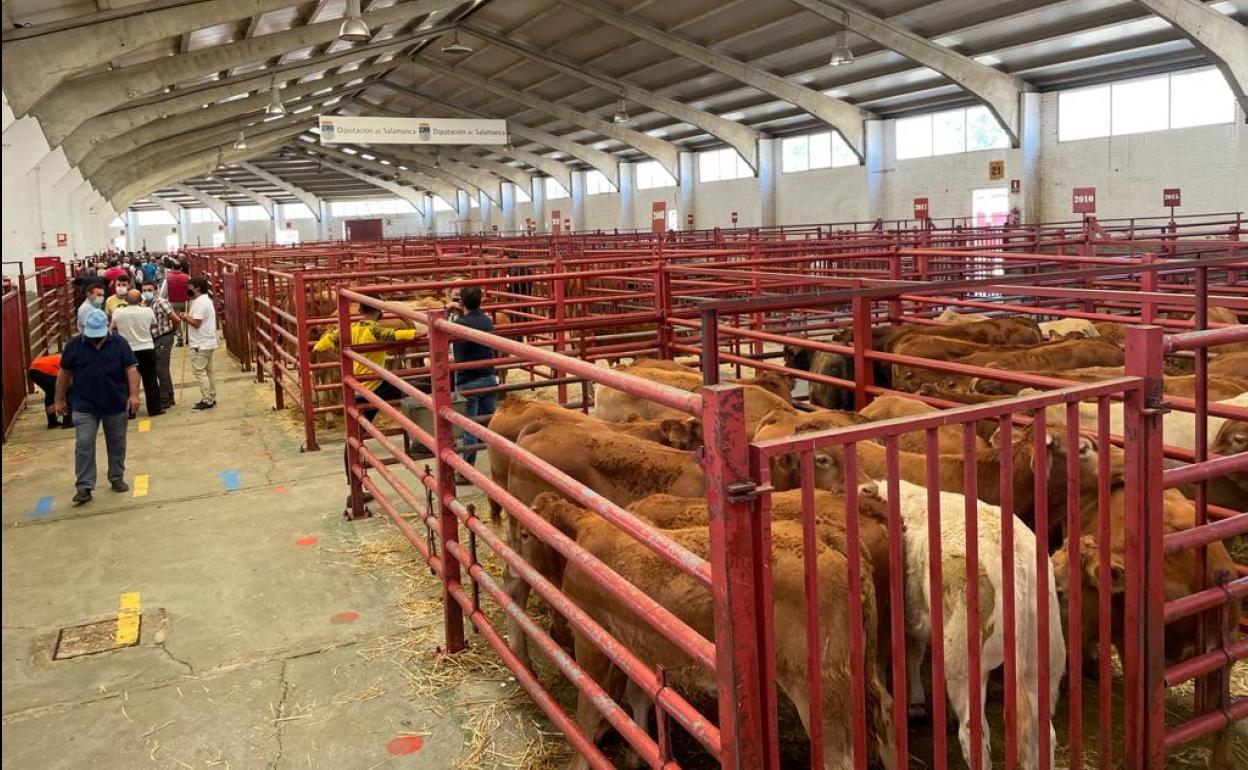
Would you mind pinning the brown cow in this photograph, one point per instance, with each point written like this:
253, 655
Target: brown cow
1049, 357
692, 604
891, 406
688, 378
514, 414
613, 405
1220, 387
1178, 514
1229, 364
1231, 490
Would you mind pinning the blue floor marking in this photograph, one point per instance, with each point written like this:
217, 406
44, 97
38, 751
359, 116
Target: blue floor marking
43, 508
230, 479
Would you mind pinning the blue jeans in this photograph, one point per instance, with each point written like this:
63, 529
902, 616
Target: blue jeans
477, 406
86, 426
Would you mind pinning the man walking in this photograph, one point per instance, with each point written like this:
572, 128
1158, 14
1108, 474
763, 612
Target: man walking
134, 323
479, 404
104, 374
93, 300
162, 336
201, 322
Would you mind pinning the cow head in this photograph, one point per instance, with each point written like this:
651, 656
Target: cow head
1233, 439
796, 357
681, 433
1090, 583
911, 379
778, 383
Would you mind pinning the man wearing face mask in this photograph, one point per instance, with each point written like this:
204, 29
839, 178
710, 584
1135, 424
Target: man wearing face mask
134, 323
162, 337
120, 287
93, 301
201, 332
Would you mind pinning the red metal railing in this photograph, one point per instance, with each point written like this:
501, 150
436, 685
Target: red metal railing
14, 363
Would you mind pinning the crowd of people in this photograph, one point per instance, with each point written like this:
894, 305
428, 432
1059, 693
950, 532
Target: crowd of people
134, 308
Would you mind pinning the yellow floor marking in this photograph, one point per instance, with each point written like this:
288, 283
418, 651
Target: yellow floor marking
145, 426
140, 485
127, 619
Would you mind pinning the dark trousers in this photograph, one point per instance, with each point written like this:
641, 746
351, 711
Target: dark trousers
386, 392
151, 383
47, 383
164, 351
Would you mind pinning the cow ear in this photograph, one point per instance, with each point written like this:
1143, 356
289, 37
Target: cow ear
1048, 439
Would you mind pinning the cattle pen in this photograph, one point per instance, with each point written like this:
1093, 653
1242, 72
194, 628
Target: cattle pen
1091, 457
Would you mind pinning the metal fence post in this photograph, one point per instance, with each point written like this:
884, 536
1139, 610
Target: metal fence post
356, 509
444, 441
741, 587
1144, 545
305, 365
863, 371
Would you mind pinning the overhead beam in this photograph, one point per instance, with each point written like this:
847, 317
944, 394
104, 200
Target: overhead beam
843, 117
197, 164
173, 209
741, 138
40, 58
215, 204
436, 164
666, 153
409, 194
101, 128
219, 113
445, 191
305, 197
605, 162
67, 106
263, 201
998, 91
1223, 39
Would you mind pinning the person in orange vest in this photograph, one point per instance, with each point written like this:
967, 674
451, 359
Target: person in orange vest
43, 371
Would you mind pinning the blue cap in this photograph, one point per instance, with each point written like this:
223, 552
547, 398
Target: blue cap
95, 325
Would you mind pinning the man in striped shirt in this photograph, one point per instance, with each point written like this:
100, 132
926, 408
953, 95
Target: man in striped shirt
162, 335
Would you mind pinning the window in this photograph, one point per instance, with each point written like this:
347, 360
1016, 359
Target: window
250, 213
287, 236
296, 211
949, 132
1200, 98
439, 204
157, 217
370, 208
720, 165
522, 195
171, 242
824, 150
200, 216
651, 175
554, 190
1140, 105
596, 183
1178, 100
218, 239
473, 203
119, 243
118, 222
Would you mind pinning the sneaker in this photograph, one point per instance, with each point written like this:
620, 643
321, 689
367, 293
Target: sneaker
52, 424
119, 485
82, 496
156, 413
202, 405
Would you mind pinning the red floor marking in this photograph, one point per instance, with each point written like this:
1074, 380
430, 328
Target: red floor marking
305, 541
346, 616
279, 489
406, 744
262, 455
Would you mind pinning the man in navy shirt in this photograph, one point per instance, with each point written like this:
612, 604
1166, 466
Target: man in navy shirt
479, 404
104, 373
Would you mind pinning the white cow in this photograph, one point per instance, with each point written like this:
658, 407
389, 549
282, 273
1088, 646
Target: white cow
951, 316
1178, 428
913, 506
1068, 325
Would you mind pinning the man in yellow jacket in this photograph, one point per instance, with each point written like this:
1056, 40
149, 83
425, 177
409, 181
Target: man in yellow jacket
363, 332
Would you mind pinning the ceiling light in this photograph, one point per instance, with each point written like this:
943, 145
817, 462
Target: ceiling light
456, 48
353, 29
621, 117
841, 54
241, 142
275, 108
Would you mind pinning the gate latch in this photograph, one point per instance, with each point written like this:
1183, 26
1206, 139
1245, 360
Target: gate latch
745, 491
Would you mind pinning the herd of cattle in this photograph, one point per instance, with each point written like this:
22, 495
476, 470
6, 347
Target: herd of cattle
642, 456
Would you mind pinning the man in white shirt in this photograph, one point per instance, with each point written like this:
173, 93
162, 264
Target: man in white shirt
201, 331
134, 322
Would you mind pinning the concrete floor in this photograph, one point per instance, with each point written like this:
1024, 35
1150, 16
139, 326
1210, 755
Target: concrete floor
258, 647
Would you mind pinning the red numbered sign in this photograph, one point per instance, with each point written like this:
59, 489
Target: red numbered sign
921, 208
1083, 200
62, 239
554, 221
658, 216
1171, 197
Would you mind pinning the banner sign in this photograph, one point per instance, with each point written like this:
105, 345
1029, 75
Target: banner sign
1172, 197
658, 216
340, 128
1083, 200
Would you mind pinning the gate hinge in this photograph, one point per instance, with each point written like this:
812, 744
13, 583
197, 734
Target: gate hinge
745, 491
1154, 411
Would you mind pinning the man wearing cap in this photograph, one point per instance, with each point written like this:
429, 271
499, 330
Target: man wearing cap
104, 374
